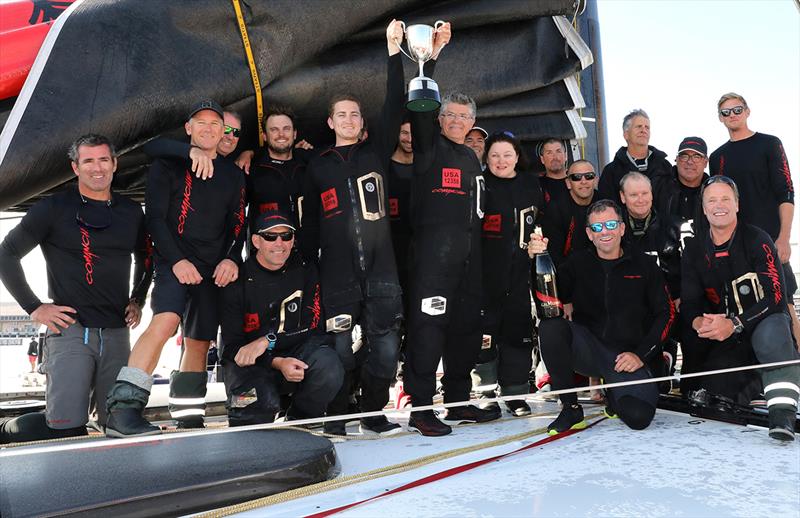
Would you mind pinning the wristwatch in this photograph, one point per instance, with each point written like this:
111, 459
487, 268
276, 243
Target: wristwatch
737, 325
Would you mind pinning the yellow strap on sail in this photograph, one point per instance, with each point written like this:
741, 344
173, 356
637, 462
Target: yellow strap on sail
253, 70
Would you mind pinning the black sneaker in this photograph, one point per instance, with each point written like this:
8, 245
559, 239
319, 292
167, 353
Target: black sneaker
781, 423
518, 407
471, 414
427, 424
378, 425
192, 423
570, 418
335, 427
489, 394
129, 422
609, 411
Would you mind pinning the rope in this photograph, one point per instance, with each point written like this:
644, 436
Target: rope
392, 412
253, 70
349, 480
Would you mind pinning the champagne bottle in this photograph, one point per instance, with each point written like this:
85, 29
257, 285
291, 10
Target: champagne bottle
548, 304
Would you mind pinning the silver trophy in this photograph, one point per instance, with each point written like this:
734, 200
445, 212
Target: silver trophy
423, 92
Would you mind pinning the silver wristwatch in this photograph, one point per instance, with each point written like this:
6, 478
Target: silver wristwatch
737, 325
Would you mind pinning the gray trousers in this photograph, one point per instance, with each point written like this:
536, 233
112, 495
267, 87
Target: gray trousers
81, 366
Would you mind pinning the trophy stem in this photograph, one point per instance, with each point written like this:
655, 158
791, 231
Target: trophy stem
421, 63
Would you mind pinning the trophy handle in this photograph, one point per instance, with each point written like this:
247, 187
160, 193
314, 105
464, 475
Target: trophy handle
400, 44
436, 25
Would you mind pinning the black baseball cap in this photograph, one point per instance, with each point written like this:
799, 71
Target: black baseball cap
206, 104
695, 144
272, 219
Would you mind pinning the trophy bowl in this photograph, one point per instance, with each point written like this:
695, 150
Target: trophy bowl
423, 92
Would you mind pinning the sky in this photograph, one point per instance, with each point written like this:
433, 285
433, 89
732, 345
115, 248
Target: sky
674, 59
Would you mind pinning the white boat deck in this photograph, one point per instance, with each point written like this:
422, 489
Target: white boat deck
679, 466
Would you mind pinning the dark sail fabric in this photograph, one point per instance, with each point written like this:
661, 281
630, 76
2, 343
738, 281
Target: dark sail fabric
149, 61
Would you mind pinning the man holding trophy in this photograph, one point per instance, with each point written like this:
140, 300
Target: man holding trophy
445, 300
346, 225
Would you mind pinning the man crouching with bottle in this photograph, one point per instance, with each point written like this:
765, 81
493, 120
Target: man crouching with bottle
617, 315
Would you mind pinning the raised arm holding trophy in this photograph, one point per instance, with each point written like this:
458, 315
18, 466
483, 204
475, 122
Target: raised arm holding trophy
423, 92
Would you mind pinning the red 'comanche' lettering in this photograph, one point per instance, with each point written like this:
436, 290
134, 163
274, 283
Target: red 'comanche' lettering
186, 204
88, 256
772, 272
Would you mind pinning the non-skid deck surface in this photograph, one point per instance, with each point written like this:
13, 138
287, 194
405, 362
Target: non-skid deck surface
679, 466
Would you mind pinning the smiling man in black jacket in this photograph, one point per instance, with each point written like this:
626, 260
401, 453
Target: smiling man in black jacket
733, 298
618, 314
346, 225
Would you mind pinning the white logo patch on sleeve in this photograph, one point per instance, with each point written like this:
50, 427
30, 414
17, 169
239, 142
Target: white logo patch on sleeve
434, 306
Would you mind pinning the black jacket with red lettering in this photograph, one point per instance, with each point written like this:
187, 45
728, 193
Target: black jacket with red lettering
285, 302
759, 167
512, 208
88, 268
628, 308
708, 272
345, 213
564, 225
199, 220
448, 182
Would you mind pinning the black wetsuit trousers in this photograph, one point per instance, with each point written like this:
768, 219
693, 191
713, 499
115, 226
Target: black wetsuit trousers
254, 392
568, 347
444, 315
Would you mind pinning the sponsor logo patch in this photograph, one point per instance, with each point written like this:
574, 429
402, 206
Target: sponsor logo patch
434, 306
394, 207
492, 222
251, 322
329, 199
451, 177
264, 207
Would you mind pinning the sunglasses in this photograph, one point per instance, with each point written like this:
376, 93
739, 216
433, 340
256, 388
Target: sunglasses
611, 224
230, 130
93, 216
577, 177
726, 112
719, 179
686, 157
273, 236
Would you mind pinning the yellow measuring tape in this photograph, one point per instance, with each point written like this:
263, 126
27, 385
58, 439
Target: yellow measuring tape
253, 70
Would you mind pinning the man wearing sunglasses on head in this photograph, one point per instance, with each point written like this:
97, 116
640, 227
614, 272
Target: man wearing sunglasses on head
87, 234
202, 164
758, 165
563, 219
198, 232
618, 314
733, 299
273, 332
638, 155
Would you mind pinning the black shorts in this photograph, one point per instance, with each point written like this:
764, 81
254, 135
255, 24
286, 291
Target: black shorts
195, 304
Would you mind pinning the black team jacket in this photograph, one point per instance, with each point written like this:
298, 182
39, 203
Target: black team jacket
345, 213
626, 306
285, 302
709, 272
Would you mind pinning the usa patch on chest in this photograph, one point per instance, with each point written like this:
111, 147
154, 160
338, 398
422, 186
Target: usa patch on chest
329, 199
492, 222
451, 178
251, 322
